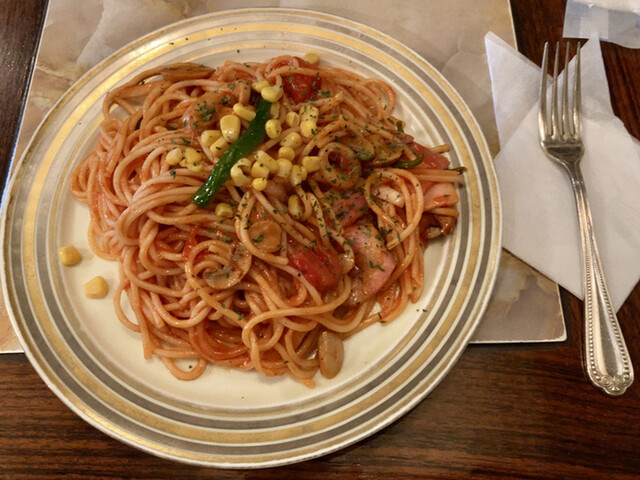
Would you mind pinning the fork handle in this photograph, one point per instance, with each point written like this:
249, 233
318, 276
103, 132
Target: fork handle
606, 356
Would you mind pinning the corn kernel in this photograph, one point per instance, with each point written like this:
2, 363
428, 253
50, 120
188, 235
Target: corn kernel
267, 160
259, 184
311, 163
287, 152
174, 156
293, 140
219, 147
238, 177
224, 210
69, 255
258, 86
194, 167
295, 207
230, 128
292, 119
309, 112
244, 112
96, 288
271, 93
261, 155
244, 164
259, 170
308, 128
273, 128
208, 137
284, 167
191, 155
272, 165
312, 57
274, 110
296, 175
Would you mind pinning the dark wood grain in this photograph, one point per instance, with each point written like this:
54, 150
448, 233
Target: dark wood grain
520, 411
20, 24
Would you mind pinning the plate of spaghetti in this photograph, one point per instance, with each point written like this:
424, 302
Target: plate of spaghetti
251, 238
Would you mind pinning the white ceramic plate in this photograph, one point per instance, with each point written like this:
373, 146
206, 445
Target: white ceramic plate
230, 418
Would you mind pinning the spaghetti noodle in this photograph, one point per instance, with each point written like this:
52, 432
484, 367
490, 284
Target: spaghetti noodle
316, 234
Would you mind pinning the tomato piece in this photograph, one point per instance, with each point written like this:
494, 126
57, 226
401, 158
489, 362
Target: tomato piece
298, 87
431, 160
302, 88
320, 267
191, 242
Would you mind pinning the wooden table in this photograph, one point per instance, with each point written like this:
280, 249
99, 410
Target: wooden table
519, 411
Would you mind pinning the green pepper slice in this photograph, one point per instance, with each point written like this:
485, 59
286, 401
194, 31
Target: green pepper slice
248, 141
413, 163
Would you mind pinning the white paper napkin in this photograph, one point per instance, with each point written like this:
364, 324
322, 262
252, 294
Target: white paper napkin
540, 219
616, 21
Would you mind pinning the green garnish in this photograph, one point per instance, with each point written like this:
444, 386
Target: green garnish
413, 163
248, 141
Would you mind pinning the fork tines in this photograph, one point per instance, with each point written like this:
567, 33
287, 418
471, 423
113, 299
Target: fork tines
563, 124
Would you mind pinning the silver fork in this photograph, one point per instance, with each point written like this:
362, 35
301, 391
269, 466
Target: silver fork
606, 356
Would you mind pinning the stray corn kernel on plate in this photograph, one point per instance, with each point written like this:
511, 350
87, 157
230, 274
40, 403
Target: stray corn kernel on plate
63, 309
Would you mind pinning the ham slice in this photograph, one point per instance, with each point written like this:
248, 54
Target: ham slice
374, 263
347, 208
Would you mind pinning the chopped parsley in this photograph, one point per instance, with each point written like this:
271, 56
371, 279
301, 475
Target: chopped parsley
375, 265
